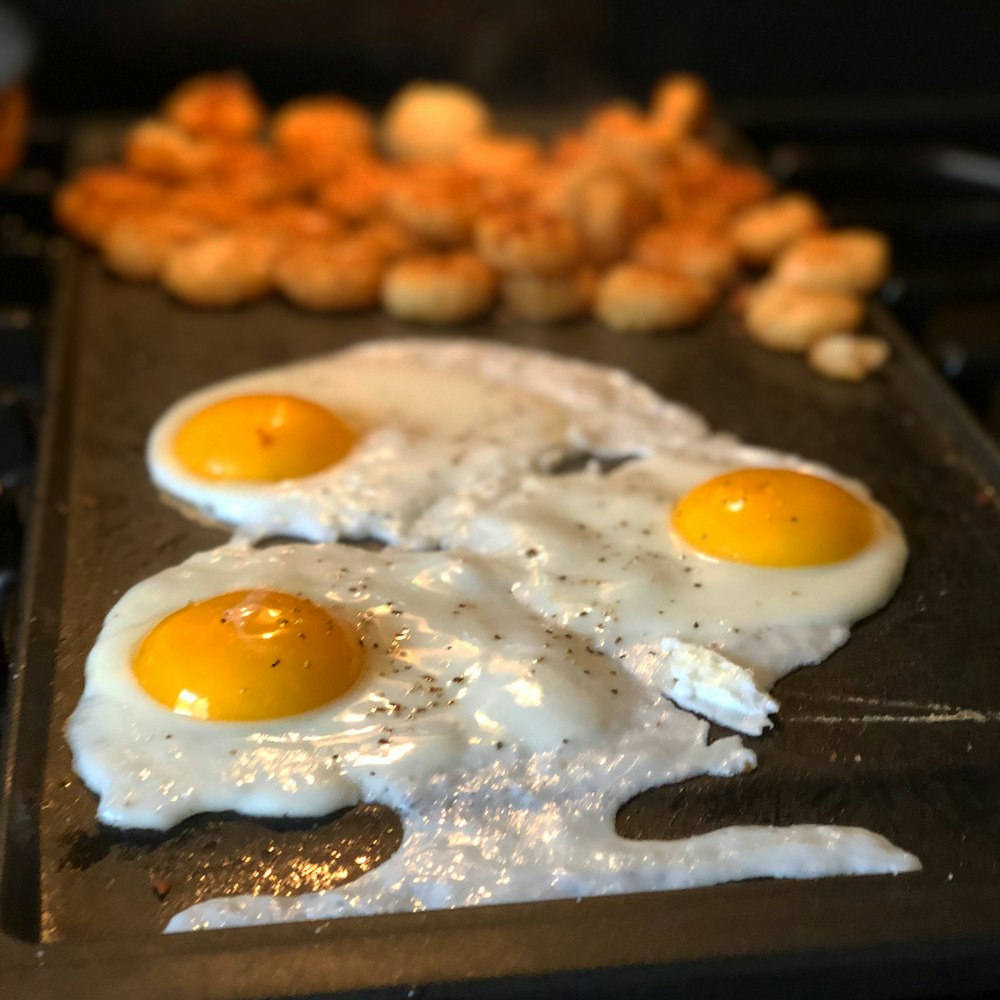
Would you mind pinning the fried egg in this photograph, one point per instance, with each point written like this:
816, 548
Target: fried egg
382, 439
711, 570
295, 680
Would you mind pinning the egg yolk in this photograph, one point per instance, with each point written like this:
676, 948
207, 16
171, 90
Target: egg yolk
248, 655
774, 517
262, 439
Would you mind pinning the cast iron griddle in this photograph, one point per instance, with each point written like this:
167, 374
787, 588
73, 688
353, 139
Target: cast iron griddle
896, 732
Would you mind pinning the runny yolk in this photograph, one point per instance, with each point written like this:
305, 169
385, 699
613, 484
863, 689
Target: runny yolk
247, 655
262, 438
774, 517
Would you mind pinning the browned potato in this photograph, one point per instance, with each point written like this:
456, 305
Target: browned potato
786, 318
842, 260
637, 299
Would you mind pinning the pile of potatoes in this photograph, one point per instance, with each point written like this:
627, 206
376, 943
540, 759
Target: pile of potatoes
438, 217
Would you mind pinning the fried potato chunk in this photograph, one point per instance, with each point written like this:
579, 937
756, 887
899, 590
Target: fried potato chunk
764, 230
847, 357
288, 222
634, 298
680, 105
433, 121
439, 288
163, 150
338, 276
788, 318
221, 270
549, 298
619, 129
605, 201
210, 201
437, 204
323, 122
390, 239
98, 196
494, 155
358, 191
136, 245
704, 254
222, 105
842, 260
528, 240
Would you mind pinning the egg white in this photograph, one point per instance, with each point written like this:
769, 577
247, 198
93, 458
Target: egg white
529, 673
454, 666
595, 553
445, 426
512, 747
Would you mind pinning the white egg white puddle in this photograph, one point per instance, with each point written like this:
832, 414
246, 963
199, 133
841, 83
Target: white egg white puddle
542, 827
515, 697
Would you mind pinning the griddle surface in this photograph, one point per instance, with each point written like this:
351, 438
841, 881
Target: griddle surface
896, 732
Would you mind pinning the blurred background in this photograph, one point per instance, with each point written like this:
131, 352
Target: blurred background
127, 53
889, 112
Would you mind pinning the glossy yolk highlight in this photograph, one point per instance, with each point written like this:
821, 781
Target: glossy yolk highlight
774, 517
263, 438
248, 655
